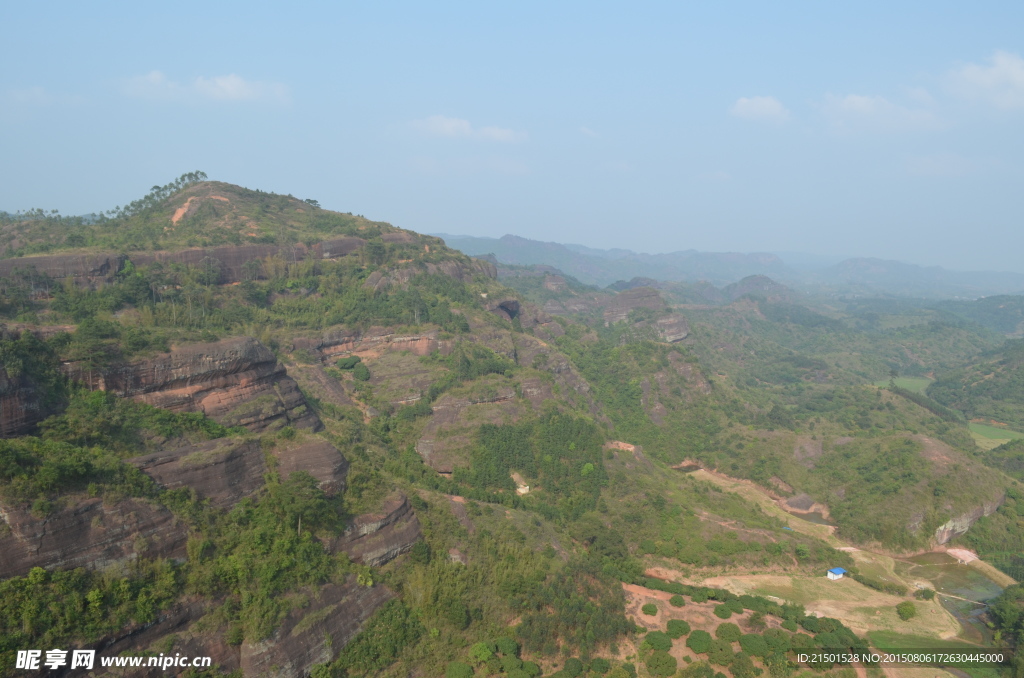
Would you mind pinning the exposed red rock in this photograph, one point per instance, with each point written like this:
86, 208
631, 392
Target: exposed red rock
237, 382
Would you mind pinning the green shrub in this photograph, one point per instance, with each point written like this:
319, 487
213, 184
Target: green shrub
573, 667
361, 372
458, 670
507, 647
650, 609
677, 628
348, 363
728, 632
720, 652
722, 611
677, 601
661, 664
925, 594
600, 665
533, 670
906, 610
754, 644
480, 652
699, 641
657, 640
789, 625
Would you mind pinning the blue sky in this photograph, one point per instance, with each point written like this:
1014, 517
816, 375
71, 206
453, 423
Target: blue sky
878, 129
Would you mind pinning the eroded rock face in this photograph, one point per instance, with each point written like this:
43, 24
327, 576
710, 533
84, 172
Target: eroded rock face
376, 538
459, 270
20, 406
619, 307
88, 534
233, 262
236, 382
340, 340
960, 524
319, 459
314, 634
86, 270
222, 471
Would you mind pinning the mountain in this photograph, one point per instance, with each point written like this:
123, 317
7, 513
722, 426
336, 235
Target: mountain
848, 278
304, 443
604, 267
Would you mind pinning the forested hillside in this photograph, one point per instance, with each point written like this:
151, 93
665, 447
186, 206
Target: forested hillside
305, 443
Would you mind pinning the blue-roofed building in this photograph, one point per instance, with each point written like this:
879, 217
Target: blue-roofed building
836, 573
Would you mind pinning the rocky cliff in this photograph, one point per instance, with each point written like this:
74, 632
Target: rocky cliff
376, 538
960, 524
21, 406
314, 634
237, 382
88, 533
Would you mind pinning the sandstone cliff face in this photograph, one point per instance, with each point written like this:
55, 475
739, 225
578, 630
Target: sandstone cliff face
86, 270
402, 274
960, 524
339, 341
376, 538
227, 470
233, 261
314, 634
88, 534
237, 382
319, 459
222, 471
20, 406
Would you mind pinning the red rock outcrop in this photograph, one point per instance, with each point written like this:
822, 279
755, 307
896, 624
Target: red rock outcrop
319, 459
222, 471
314, 634
88, 534
343, 341
237, 382
376, 538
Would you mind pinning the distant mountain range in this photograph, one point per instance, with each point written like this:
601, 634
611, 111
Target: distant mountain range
851, 277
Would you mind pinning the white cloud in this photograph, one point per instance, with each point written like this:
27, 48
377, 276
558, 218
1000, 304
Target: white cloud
872, 112
1000, 83
760, 108
586, 131
156, 86
443, 126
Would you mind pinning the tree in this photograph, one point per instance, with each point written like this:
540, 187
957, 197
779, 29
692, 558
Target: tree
906, 610
754, 644
756, 621
720, 652
657, 640
480, 652
677, 601
459, 670
677, 628
650, 609
699, 641
361, 372
661, 664
728, 632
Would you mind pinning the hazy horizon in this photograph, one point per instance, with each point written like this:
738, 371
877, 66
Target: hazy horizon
860, 131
